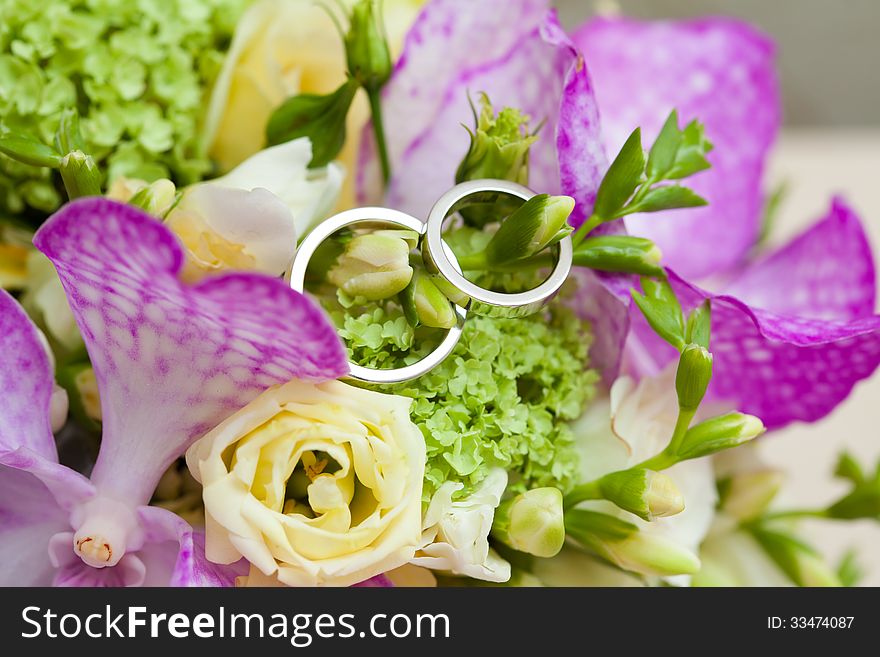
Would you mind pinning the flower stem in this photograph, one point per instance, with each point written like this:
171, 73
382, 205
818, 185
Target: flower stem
379, 133
796, 513
581, 233
582, 493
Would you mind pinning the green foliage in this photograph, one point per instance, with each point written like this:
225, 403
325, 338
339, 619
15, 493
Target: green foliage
138, 73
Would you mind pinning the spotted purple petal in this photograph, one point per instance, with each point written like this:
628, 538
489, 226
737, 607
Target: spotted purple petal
25, 383
780, 368
529, 63
190, 567
719, 71
173, 360
827, 272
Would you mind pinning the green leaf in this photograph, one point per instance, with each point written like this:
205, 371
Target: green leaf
320, 118
848, 468
667, 197
849, 570
29, 151
665, 148
699, 324
622, 178
661, 308
691, 156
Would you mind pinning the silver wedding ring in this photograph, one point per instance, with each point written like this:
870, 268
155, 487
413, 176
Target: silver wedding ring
440, 260
377, 218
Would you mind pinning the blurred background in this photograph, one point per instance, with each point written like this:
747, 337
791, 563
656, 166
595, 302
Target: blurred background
830, 144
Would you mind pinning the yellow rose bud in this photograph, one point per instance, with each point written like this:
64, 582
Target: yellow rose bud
282, 48
360, 514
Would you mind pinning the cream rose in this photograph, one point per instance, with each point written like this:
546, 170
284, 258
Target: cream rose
282, 48
314, 484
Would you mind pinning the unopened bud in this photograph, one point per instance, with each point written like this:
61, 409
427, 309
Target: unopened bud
746, 496
649, 554
366, 48
532, 522
156, 199
646, 493
80, 175
538, 223
619, 253
424, 303
499, 149
693, 376
717, 434
373, 267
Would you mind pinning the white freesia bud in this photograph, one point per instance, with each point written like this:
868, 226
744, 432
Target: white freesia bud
309, 194
373, 266
532, 522
455, 535
650, 555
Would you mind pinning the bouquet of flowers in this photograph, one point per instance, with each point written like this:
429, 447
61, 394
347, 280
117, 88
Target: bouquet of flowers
231, 353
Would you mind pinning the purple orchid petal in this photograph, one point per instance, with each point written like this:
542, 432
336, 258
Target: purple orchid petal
601, 300
780, 368
190, 567
173, 360
25, 383
719, 71
29, 516
825, 273
529, 64
379, 581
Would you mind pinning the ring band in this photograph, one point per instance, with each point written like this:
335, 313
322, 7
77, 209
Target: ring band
486, 302
377, 216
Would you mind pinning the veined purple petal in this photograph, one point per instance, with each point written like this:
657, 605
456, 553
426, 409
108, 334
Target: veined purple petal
190, 566
780, 368
719, 71
173, 360
29, 516
26, 379
827, 272
529, 63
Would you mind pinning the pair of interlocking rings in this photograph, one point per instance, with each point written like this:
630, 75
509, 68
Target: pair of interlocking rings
440, 259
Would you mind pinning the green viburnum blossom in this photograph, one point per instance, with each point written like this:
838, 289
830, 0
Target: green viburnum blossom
503, 398
138, 73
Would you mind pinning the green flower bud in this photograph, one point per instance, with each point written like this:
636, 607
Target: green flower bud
717, 434
499, 149
646, 493
538, 223
424, 303
320, 118
366, 46
799, 561
693, 376
80, 175
372, 266
620, 253
157, 198
532, 522
746, 496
